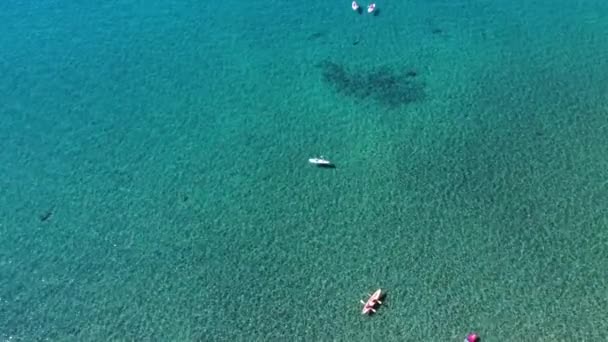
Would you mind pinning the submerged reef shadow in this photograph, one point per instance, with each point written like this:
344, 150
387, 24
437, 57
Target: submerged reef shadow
315, 36
385, 86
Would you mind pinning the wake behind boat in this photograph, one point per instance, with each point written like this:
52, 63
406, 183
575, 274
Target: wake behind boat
321, 162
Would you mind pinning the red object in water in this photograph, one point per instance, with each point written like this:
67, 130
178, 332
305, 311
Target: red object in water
472, 337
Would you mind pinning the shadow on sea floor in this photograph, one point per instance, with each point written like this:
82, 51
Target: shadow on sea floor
385, 86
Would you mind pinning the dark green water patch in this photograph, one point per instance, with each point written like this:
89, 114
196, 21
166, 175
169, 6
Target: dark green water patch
383, 85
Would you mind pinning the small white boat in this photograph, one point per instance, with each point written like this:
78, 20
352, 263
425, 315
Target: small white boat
369, 307
320, 161
371, 8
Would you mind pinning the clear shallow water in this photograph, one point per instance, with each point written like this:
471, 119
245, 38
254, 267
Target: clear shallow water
155, 183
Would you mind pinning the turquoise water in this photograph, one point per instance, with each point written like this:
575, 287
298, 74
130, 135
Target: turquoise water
155, 183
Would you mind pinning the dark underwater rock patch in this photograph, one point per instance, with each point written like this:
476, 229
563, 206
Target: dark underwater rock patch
383, 85
315, 36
